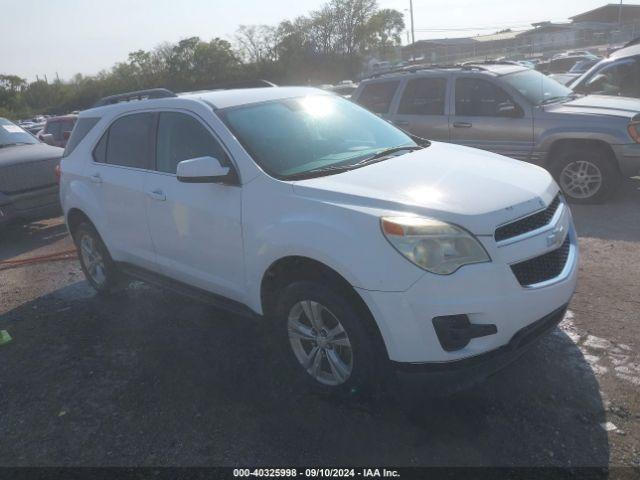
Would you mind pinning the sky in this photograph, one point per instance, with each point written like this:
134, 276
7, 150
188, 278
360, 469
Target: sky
65, 37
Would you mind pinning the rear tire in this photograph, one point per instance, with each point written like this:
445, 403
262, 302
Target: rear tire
95, 261
586, 175
324, 341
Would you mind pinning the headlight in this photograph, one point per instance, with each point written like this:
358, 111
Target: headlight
435, 246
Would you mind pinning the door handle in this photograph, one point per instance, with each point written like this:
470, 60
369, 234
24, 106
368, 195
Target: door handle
96, 178
462, 125
401, 122
157, 194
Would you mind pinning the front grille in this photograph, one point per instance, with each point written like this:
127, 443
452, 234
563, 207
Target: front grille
25, 176
542, 268
528, 224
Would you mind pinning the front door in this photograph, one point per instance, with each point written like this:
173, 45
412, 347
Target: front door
480, 119
196, 227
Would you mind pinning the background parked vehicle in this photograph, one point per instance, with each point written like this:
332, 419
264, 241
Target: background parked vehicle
57, 130
587, 143
562, 64
576, 71
619, 75
28, 180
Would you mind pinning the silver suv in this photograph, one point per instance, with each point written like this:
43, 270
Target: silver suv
587, 142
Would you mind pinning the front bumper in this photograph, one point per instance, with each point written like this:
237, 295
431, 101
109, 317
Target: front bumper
34, 204
628, 158
449, 377
487, 294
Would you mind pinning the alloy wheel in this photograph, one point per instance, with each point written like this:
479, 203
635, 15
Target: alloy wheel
320, 343
92, 259
581, 179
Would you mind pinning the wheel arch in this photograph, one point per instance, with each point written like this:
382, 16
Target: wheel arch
561, 146
75, 217
289, 269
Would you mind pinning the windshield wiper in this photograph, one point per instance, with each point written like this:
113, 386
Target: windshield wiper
386, 153
333, 169
546, 101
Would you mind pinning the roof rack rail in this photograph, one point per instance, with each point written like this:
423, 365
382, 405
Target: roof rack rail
631, 43
259, 83
419, 67
137, 95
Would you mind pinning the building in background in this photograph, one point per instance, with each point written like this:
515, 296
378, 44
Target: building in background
600, 28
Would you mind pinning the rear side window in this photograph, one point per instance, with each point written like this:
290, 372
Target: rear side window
82, 127
182, 137
478, 98
130, 141
424, 96
377, 96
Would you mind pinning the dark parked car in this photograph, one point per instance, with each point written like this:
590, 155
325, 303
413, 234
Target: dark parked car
576, 71
561, 64
57, 130
28, 181
617, 75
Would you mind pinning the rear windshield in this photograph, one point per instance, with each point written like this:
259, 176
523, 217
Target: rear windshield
11, 134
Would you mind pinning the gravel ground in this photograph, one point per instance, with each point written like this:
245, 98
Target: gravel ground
150, 378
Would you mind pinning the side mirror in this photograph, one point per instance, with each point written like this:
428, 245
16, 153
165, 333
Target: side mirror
66, 135
47, 138
203, 170
508, 109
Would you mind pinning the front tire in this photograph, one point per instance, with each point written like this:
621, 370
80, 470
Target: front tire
327, 345
95, 261
586, 176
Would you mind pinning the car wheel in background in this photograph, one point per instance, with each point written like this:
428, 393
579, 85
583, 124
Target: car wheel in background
96, 263
586, 175
325, 342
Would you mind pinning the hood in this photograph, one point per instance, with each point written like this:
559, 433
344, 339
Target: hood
28, 153
599, 105
475, 189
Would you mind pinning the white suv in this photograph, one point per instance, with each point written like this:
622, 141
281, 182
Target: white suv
361, 246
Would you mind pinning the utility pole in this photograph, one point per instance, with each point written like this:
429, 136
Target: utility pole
620, 13
413, 34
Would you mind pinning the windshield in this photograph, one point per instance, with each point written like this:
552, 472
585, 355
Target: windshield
293, 136
11, 134
536, 87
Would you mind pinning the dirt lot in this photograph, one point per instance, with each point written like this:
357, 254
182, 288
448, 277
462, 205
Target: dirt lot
150, 378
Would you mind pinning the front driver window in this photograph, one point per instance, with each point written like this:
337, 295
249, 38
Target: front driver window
182, 137
478, 98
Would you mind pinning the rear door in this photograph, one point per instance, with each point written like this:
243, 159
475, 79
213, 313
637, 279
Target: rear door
196, 227
121, 161
423, 109
477, 121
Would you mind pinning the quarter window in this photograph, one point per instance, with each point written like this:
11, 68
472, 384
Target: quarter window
424, 96
81, 129
182, 137
130, 142
377, 96
478, 98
